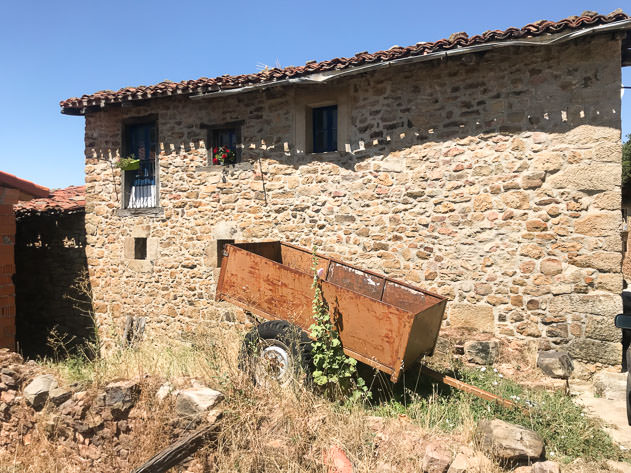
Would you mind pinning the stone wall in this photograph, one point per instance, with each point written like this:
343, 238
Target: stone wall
492, 178
52, 306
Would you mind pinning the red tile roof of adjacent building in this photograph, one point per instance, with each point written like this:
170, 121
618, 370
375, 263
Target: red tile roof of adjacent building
70, 199
226, 82
28, 187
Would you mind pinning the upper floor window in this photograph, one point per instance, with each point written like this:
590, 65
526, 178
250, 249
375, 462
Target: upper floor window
140, 183
225, 143
324, 121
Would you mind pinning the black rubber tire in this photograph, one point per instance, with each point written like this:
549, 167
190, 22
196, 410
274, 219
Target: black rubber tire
284, 335
628, 396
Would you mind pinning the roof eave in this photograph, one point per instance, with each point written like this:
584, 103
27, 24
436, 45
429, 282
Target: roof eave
321, 77
324, 77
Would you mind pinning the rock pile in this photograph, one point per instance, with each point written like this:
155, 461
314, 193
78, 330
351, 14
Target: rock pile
507, 444
101, 426
94, 425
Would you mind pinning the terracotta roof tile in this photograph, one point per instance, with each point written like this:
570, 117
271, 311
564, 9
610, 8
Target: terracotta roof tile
70, 199
28, 187
457, 40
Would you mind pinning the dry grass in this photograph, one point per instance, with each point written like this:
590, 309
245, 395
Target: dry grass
270, 429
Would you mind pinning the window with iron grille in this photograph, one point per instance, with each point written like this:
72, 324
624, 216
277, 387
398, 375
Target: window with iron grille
140, 184
324, 129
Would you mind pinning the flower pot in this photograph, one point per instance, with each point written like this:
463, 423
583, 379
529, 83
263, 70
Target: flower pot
130, 165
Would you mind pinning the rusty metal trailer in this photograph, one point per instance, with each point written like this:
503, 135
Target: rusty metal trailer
382, 322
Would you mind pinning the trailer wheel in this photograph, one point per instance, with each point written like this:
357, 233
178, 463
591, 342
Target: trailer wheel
276, 350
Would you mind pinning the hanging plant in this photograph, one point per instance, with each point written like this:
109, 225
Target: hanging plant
224, 155
128, 164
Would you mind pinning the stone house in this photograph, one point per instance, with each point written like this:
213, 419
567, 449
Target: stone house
12, 190
484, 168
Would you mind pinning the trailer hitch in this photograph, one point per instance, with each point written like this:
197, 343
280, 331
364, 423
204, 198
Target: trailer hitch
468, 388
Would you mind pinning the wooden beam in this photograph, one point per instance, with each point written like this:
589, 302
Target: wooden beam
455, 383
216, 126
179, 451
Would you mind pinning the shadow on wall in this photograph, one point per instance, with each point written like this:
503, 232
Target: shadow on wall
510, 91
53, 292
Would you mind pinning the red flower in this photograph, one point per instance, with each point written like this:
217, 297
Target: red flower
227, 150
224, 156
215, 161
215, 150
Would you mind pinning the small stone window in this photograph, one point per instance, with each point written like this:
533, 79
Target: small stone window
140, 248
224, 143
324, 129
322, 119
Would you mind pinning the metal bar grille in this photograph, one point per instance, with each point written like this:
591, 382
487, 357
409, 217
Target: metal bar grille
143, 186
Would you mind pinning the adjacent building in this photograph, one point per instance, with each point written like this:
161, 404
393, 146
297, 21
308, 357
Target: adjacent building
12, 190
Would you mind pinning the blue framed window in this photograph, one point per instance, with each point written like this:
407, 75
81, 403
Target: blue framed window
140, 185
324, 129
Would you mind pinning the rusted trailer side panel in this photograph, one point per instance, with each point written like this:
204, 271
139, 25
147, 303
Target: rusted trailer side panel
302, 260
356, 280
375, 331
267, 249
370, 330
423, 333
265, 287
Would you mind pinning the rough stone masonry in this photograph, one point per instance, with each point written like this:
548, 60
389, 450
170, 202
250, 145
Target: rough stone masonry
491, 178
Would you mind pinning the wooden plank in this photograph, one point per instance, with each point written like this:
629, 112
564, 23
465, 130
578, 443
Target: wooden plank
455, 383
179, 451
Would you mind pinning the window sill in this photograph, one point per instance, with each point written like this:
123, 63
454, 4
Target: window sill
325, 154
242, 166
140, 266
148, 211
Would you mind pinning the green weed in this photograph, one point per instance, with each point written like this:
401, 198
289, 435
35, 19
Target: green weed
333, 372
567, 431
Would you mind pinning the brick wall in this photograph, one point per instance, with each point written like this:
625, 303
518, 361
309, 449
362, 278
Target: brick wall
493, 179
8, 197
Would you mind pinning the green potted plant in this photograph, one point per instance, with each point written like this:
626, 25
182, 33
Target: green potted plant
130, 163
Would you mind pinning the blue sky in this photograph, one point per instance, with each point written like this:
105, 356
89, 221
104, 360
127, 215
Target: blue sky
54, 50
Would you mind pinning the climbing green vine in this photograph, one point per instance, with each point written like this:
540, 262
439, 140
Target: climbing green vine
334, 372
